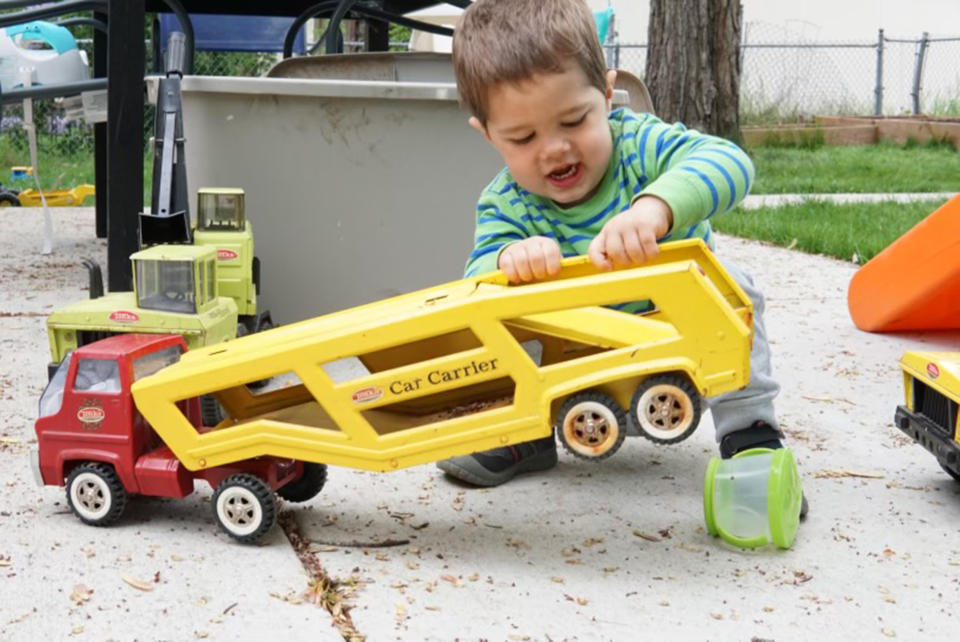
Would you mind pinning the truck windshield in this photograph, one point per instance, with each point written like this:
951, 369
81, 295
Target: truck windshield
166, 285
220, 211
52, 397
150, 363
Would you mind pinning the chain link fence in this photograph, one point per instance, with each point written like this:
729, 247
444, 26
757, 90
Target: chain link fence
787, 77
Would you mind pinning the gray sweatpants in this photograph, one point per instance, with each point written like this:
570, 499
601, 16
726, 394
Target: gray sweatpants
740, 408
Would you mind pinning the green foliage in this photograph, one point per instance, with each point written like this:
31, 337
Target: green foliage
855, 231
399, 33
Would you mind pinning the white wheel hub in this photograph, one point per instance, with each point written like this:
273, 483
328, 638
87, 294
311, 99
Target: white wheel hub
239, 510
591, 428
91, 496
664, 411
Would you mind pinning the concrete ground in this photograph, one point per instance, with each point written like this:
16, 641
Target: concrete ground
615, 551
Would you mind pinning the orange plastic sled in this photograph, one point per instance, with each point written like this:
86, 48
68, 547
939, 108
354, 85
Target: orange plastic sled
914, 284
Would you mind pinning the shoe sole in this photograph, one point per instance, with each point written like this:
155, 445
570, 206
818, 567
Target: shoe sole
487, 479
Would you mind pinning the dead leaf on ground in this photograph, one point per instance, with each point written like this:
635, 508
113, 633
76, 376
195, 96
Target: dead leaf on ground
829, 399
833, 473
137, 584
646, 536
81, 594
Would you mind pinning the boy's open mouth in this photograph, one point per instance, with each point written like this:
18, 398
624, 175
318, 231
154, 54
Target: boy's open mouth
566, 175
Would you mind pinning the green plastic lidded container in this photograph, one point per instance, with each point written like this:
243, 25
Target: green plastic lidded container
753, 498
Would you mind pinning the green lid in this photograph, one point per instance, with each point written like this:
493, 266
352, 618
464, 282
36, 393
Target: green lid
784, 496
708, 486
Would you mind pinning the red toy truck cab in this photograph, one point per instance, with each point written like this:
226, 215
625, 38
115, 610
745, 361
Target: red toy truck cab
93, 440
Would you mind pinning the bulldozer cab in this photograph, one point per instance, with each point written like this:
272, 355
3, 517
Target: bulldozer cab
175, 278
220, 209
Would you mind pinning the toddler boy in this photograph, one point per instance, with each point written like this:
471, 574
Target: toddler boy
580, 179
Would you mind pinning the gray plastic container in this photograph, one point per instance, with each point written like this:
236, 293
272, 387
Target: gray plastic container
357, 189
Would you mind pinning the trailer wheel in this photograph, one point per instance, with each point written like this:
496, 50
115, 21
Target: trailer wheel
308, 486
666, 409
244, 507
592, 425
9, 199
95, 494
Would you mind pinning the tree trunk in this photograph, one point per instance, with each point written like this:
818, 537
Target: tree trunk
693, 63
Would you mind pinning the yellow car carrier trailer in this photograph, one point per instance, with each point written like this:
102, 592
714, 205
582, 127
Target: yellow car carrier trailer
450, 370
448, 373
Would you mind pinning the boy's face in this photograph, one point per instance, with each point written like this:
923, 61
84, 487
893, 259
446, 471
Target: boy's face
552, 132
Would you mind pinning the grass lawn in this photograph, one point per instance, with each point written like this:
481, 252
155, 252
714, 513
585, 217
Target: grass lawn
862, 169
844, 231
59, 170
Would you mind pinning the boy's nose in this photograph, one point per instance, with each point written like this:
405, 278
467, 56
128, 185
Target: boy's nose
556, 147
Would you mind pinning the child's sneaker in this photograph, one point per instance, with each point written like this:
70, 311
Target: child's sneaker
758, 435
494, 467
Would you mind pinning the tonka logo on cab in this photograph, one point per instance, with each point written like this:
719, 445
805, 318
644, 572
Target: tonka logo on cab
91, 416
123, 316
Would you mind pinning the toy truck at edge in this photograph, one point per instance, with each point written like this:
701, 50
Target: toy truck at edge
454, 369
931, 382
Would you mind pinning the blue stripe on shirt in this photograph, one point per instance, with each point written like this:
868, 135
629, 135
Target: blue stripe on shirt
724, 172
476, 254
493, 235
493, 212
743, 170
676, 146
710, 186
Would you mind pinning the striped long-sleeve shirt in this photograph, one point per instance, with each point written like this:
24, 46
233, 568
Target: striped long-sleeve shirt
697, 175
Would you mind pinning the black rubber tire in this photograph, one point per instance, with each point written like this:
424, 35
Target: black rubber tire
685, 398
211, 413
9, 199
615, 432
244, 507
308, 486
99, 484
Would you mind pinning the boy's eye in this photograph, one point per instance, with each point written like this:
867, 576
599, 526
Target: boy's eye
522, 141
576, 121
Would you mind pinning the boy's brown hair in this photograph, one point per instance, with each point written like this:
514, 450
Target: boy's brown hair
511, 40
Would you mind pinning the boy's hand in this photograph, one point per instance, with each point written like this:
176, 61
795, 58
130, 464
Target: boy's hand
531, 259
630, 237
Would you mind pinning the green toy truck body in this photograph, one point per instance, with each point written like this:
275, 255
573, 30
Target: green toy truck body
175, 292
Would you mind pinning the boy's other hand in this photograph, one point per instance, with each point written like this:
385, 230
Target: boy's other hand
531, 259
630, 237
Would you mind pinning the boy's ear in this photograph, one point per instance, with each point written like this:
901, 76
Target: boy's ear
611, 80
476, 124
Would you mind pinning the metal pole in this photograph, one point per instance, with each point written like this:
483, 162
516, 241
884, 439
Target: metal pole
918, 72
609, 44
878, 88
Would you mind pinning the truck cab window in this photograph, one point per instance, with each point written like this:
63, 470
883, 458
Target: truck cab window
150, 363
97, 375
52, 397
